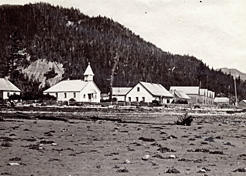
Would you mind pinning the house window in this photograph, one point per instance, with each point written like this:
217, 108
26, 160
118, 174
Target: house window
8, 94
56, 95
136, 99
129, 98
84, 95
143, 99
138, 89
74, 94
65, 95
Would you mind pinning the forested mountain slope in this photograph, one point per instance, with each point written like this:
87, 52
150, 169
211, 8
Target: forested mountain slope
42, 44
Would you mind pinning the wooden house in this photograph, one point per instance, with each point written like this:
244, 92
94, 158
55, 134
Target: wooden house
148, 92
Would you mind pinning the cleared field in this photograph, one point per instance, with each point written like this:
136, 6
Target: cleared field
121, 143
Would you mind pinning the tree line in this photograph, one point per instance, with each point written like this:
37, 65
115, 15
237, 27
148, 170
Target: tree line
67, 36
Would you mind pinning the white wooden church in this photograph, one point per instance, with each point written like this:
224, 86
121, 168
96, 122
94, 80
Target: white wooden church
80, 90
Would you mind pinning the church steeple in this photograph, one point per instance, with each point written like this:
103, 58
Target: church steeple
88, 74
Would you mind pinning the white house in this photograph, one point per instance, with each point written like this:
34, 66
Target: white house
80, 90
7, 89
120, 93
147, 92
204, 96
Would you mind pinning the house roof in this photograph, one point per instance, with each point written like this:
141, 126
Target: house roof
120, 90
244, 101
88, 70
194, 90
156, 89
68, 86
6, 85
221, 100
181, 95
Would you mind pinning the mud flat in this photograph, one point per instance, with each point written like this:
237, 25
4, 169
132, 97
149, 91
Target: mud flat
116, 143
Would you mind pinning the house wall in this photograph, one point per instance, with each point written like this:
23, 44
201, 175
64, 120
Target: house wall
60, 96
134, 93
6, 94
81, 96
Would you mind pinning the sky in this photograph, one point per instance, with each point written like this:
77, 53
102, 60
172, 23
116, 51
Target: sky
214, 31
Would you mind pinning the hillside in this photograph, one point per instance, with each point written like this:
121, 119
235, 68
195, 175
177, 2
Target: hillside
234, 72
42, 44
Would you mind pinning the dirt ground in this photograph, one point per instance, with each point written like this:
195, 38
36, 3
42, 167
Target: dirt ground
212, 145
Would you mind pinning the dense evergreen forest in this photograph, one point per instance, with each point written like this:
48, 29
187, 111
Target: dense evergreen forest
73, 39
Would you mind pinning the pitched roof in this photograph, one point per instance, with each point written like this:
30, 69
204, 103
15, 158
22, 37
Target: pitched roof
120, 90
6, 85
88, 70
181, 94
156, 89
67, 86
194, 90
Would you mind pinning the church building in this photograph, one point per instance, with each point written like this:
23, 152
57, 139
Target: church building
80, 90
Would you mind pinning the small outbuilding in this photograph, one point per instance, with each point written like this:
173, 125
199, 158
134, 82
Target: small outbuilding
222, 101
119, 93
7, 89
80, 90
148, 92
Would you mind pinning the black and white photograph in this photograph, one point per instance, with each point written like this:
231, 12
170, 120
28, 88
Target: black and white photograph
122, 87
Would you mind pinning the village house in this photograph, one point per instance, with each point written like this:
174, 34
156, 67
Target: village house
79, 90
197, 95
180, 97
211, 96
119, 93
204, 96
7, 89
148, 92
192, 91
207, 96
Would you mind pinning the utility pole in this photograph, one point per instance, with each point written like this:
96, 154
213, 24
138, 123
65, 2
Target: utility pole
116, 61
235, 86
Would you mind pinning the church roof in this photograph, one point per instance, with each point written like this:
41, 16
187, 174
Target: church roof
88, 70
67, 86
6, 85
